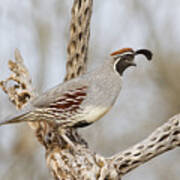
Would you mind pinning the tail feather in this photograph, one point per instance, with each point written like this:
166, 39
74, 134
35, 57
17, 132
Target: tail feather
17, 119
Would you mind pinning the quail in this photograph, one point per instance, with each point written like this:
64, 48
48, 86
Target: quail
83, 100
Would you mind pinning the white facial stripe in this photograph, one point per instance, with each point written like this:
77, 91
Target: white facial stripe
115, 63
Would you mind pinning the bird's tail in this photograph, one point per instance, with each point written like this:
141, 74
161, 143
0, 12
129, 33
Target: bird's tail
17, 119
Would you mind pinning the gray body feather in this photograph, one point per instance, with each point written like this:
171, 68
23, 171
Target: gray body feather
100, 90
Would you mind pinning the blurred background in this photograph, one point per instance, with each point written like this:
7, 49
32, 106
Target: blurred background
150, 94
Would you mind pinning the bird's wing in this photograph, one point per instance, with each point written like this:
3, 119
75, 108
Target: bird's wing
63, 99
70, 101
67, 103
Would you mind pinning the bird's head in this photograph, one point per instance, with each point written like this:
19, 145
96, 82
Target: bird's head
124, 58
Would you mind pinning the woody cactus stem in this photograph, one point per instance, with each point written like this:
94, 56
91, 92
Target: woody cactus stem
79, 38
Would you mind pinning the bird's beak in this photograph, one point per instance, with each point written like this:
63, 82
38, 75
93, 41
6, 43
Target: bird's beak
145, 52
130, 63
148, 54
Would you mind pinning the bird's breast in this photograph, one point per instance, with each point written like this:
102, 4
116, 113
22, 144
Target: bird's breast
95, 113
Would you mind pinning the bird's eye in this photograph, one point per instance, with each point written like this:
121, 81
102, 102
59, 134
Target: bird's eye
128, 56
125, 56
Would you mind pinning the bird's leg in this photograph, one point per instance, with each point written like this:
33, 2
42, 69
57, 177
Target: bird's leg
68, 141
72, 139
58, 135
63, 132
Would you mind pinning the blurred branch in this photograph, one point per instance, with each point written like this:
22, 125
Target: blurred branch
163, 139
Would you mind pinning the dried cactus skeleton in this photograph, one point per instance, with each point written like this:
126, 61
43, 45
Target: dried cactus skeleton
66, 162
79, 38
22, 90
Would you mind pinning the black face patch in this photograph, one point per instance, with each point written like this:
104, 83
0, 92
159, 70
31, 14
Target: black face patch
120, 67
124, 62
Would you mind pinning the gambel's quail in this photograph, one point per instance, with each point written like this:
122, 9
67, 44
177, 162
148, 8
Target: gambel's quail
82, 100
